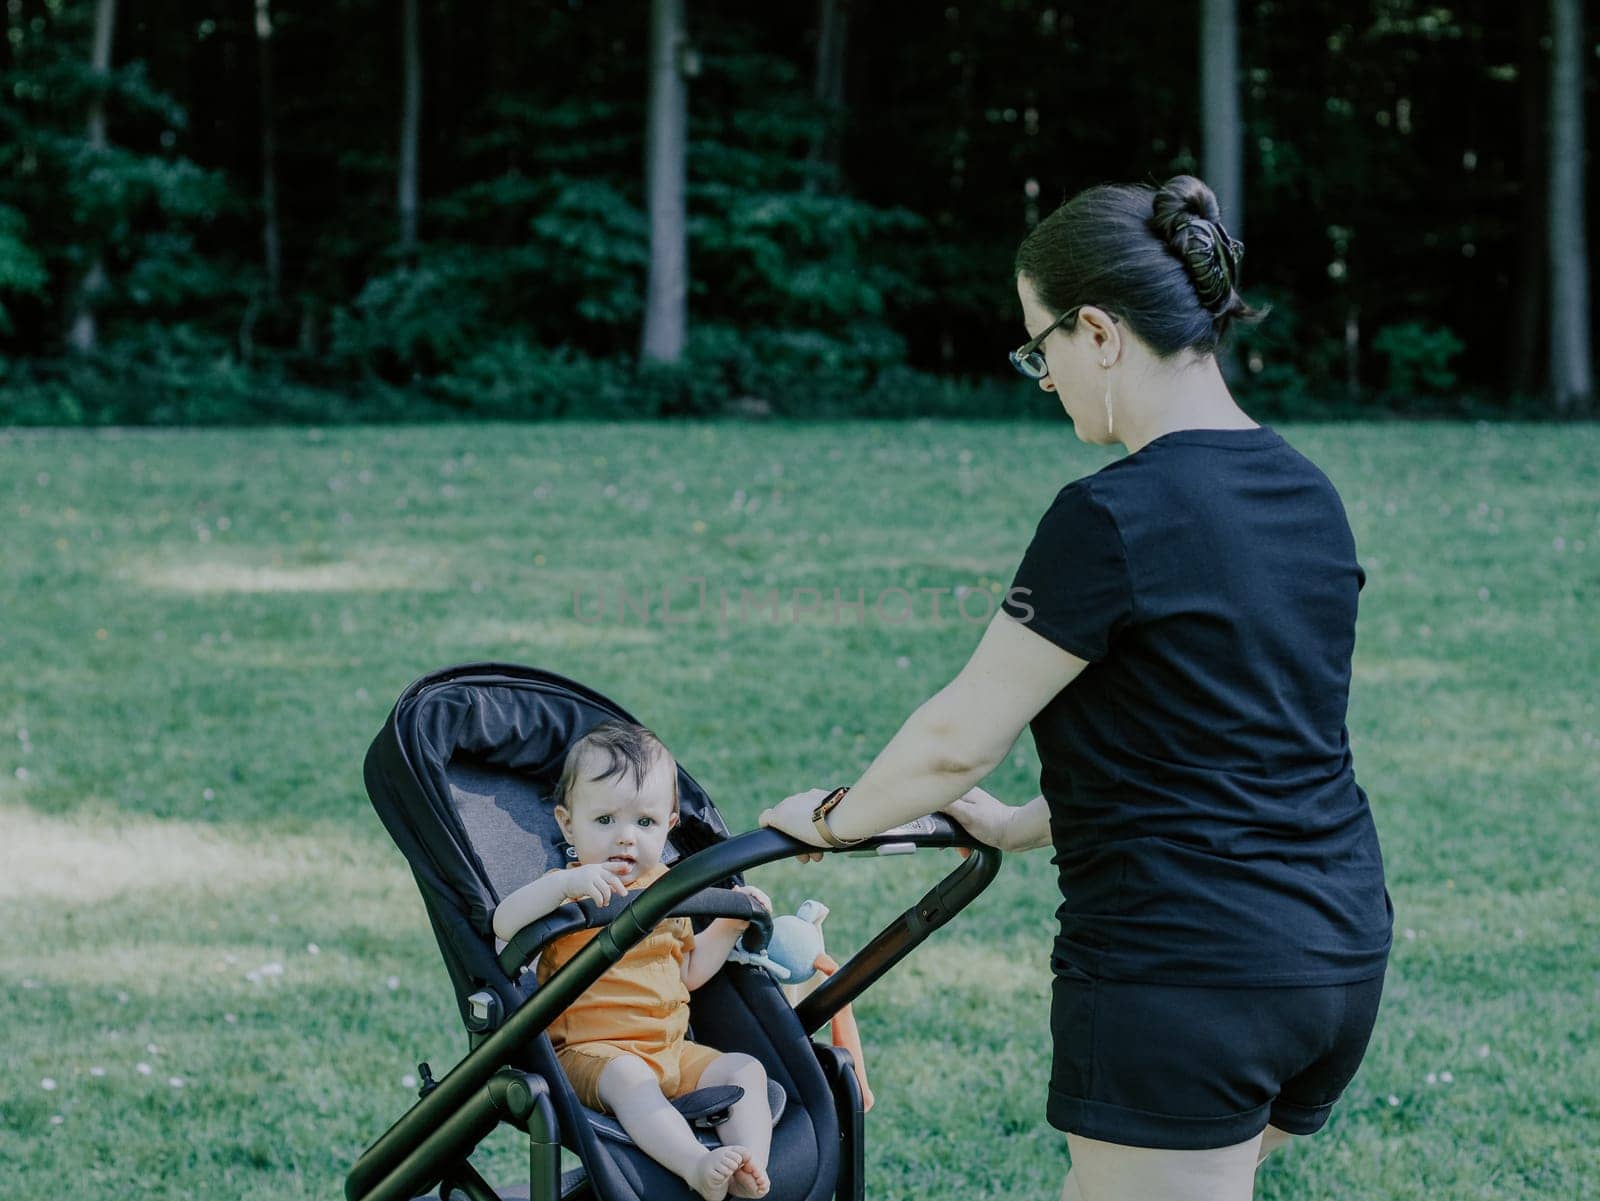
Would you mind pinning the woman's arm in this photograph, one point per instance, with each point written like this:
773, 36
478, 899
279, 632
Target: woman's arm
956, 738
1030, 826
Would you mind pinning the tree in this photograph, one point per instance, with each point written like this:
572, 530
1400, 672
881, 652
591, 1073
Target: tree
1571, 367
1530, 288
108, 231
1222, 133
666, 170
271, 241
82, 333
833, 30
410, 121
1387, 157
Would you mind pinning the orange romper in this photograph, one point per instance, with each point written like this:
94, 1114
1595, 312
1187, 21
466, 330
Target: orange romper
639, 1007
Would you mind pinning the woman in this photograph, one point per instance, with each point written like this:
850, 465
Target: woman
1179, 636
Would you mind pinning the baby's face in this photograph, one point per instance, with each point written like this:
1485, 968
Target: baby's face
611, 822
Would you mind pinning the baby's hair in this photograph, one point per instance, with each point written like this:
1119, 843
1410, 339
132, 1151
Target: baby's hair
615, 748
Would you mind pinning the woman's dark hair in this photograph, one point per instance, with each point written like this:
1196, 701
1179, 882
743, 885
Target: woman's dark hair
1156, 257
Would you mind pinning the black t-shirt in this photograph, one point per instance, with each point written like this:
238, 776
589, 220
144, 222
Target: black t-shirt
1207, 823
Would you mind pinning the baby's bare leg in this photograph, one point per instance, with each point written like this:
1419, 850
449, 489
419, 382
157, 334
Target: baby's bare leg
749, 1123
629, 1089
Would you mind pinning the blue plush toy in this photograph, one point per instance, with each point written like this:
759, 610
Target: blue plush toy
795, 946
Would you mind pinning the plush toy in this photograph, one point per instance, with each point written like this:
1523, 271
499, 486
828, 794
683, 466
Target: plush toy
792, 951
795, 954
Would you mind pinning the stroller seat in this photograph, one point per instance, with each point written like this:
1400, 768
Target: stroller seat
461, 776
517, 840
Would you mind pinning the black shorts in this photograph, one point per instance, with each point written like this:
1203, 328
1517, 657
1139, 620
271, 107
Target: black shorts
1185, 1068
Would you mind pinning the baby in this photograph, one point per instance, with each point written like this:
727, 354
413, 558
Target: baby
622, 1043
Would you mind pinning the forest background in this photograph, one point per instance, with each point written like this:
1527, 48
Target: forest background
289, 211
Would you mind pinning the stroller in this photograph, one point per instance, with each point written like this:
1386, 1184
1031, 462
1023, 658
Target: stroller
461, 776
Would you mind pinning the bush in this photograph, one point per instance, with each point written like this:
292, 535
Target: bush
793, 372
514, 380
414, 317
155, 375
1279, 369
181, 375
1418, 358
22, 271
903, 392
762, 372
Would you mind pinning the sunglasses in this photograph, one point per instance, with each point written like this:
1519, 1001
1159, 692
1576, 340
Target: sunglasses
1028, 359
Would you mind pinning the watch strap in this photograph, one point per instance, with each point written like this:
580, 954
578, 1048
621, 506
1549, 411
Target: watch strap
819, 818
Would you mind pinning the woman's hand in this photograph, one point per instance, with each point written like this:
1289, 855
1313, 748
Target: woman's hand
985, 816
792, 816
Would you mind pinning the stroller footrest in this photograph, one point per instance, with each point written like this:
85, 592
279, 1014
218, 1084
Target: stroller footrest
704, 1109
708, 1107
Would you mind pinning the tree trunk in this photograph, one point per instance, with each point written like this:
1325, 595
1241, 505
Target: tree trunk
83, 330
410, 121
1531, 283
1571, 368
105, 19
271, 244
833, 29
14, 37
1352, 353
667, 291
1222, 134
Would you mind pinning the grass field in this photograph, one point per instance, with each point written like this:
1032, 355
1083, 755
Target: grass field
216, 970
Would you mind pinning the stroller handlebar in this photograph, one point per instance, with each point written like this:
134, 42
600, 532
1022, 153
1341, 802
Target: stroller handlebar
404, 1160
586, 915
710, 867
934, 830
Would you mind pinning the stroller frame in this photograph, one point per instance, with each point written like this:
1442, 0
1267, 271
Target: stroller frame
430, 1143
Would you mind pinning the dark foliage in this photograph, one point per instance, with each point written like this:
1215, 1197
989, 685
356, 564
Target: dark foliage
1388, 170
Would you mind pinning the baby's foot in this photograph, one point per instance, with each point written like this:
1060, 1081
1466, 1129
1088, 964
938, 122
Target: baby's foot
749, 1180
710, 1176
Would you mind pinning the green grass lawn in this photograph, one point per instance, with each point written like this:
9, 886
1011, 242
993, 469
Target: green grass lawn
216, 969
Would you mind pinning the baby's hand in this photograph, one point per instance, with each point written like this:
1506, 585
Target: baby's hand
756, 895
592, 882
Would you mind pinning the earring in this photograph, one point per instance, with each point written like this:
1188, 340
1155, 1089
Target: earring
1110, 421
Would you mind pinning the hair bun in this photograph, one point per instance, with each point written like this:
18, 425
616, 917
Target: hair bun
1180, 196
1186, 217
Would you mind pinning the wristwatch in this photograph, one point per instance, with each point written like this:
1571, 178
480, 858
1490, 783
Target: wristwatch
819, 818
